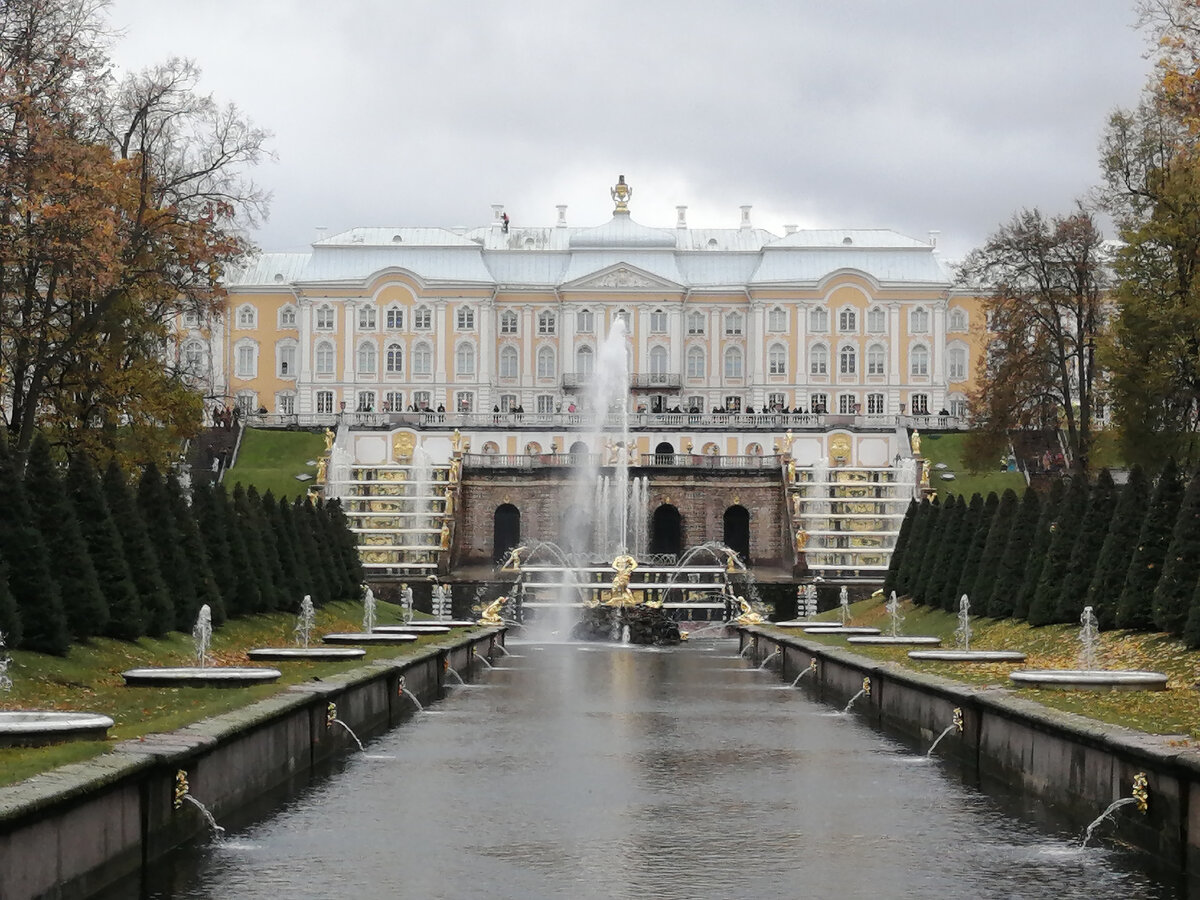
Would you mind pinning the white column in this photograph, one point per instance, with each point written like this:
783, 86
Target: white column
716, 372
348, 343
895, 345
486, 320
937, 345
443, 349
756, 350
800, 365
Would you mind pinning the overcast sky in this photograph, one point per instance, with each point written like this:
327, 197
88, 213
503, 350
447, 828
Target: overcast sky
913, 115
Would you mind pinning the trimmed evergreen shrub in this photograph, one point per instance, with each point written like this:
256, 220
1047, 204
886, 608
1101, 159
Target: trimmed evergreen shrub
247, 594
1043, 606
10, 617
302, 581
1191, 630
974, 554
186, 526
958, 542
1081, 567
1039, 546
1135, 609
892, 578
935, 551
139, 554
1104, 591
276, 597
167, 544
1181, 566
347, 544
980, 589
911, 564
210, 527
290, 587
246, 531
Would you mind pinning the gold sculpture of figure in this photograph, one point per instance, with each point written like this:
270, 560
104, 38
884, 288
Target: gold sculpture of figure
445, 538
687, 446
801, 540
621, 192
448, 508
453, 476
330, 434
731, 560
924, 473
322, 462
621, 595
456, 441
747, 616
491, 613
791, 470
513, 563
915, 442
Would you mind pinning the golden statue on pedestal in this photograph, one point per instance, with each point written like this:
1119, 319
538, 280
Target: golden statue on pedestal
322, 463
330, 435
448, 507
620, 594
456, 441
747, 616
915, 442
444, 540
491, 613
801, 540
621, 192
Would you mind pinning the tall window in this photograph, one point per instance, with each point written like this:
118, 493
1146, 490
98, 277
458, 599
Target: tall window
958, 319
918, 320
325, 318
545, 362
876, 359
847, 360
422, 399
395, 318
585, 322
818, 319
422, 360
366, 318
464, 401
324, 358
875, 405
623, 317
585, 362
465, 319
695, 403
546, 322
658, 361
246, 360
508, 322
658, 321
193, 357
366, 358
846, 404
876, 320
508, 362
544, 403
464, 359
285, 404
695, 362
776, 401
956, 363
508, 402
247, 402
919, 362
847, 320
247, 316
324, 401
287, 317
777, 360
777, 320
958, 406
395, 359
285, 359
818, 403
366, 401
733, 363
733, 324
423, 318
818, 360
695, 323
393, 401
920, 404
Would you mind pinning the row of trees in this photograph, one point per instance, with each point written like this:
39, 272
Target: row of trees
1131, 553
84, 554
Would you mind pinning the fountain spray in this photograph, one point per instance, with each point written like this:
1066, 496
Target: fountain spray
962, 634
305, 621
1139, 795
202, 635
5, 662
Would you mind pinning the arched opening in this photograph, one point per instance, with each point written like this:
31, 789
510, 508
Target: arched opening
506, 531
575, 528
737, 531
664, 453
666, 531
579, 452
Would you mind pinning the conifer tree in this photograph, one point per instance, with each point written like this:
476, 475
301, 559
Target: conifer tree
1104, 590
1181, 567
195, 550
1043, 606
892, 578
1191, 629
54, 515
167, 544
290, 589
1081, 567
1135, 609
127, 618
210, 526
347, 544
935, 552
10, 618
247, 593
958, 539
1039, 546
980, 588
277, 597
974, 553
320, 560
140, 557
1010, 575
246, 532
911, 563
39, 604
302, 580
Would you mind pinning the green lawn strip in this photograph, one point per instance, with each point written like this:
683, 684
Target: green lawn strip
89, 679
270, 460
1106, 452
948, 449
1175, 711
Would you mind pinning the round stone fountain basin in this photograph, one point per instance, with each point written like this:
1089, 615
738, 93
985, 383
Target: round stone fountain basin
802, 623
197, 676
895, 640
34, 728
840, 629
411, 629
458, 623
969, 656
1090, 679
302, 654
365, 637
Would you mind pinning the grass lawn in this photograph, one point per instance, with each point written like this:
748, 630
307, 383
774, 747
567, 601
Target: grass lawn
271, 459
948, 449
1175, 711
1106, 452
89, 679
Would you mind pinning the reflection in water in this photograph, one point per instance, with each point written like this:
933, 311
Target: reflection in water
632, 774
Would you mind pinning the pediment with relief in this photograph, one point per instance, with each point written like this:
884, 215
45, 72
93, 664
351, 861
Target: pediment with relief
621, 277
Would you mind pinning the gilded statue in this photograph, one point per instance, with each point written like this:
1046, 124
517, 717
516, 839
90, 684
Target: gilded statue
796, 505
448, 507
453, 476
621, 193
330, 435
915, 442
491, 613
924, 473
621, 595
322, 463
445, 537
747, 615
456, 441
791, 471
513, 563
801, 540
731, 560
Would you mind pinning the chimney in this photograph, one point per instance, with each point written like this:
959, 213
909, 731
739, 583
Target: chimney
321, 229
790, 229
745, 216
681, 217
562, 216
933, 238
497, 212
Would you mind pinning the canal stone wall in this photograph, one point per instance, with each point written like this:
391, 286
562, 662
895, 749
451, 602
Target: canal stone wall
71, 832
1075, 764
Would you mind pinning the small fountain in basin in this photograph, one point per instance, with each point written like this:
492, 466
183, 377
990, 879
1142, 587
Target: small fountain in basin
408, 626
33, 728
895, 637
302, 651
962, 639
844, 627
369, 635
202, 674
806, 605
1088, 677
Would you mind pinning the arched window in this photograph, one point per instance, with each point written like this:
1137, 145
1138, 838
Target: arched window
546, 322
395, 318
658, 361
733, 363
847, 321
325, 358
695, 362
733, 324
193, 357
395, 359
509, 365
546, 367
876, 359
876, 320
847, 360
422, 359
464, 359
366, 318
918, 320
508, 322
366, 358
777, 360
818, 360
658, 321
818, 319
695, 323
777, 320
465, 319
287, 316
247, 316
956, 363
919, 360
585, 322
958, 319
585, 362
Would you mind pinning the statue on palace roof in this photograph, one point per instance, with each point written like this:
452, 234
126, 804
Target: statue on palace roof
621, 192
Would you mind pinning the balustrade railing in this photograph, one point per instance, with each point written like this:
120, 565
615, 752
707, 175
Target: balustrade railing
645, 460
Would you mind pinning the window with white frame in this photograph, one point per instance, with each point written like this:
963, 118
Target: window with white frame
393, 401
846, 404
366, 401
585, 321
918, 321
818, 319
876, 405
818, 403
818, 360
957, 320
422, 360
193, 357
247, 402
695, 323
847, 360
848, 321
285, 359
366, 358
777, 320
464, 359
958, 406
920, 404
658, 321
465, 319
394, 318
585, 362
546, 367
956, 363
366, 318
508, 322
876, 320
324, 358
246, 359
324, 402
776, 402
508, 402
695, 362
777, 360
919, 360
509, 363
422, 399
733, 324
464, 401
658, 361
547, 323
544, 403
247, 316
325, 319
733, 363
623, 317
423, 319
285, 403
876, 360
287, 316
695, 403
191, 319
394, 360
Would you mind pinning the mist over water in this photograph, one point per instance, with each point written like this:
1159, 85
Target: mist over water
595, 771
